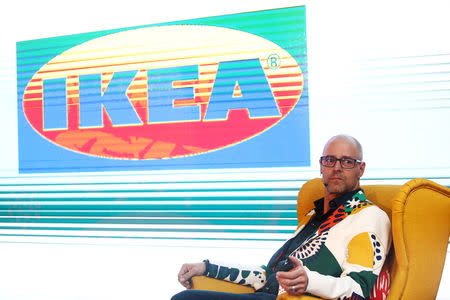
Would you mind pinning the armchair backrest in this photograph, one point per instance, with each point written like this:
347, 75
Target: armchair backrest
420, 215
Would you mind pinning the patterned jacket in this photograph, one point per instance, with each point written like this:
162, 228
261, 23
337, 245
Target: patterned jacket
342, 257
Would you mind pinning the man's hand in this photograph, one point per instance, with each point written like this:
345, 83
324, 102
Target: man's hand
295, 281
188, 271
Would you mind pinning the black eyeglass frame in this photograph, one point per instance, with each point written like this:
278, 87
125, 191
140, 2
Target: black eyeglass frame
355, 161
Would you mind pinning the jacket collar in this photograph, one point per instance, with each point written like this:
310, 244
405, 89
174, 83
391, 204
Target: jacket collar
335, 203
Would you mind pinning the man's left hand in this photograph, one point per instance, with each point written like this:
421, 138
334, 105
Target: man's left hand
294, 281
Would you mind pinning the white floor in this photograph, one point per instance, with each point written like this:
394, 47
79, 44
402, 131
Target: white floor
116, 269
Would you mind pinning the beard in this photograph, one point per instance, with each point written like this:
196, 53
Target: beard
336, 188
341, 184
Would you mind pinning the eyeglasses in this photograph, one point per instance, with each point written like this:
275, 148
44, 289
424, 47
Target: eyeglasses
346, 162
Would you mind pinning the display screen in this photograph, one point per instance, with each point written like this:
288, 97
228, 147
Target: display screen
220, 92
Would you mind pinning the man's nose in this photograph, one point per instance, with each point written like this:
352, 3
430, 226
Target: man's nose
337, 166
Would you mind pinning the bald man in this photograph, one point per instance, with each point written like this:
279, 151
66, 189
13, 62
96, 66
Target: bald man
337, 252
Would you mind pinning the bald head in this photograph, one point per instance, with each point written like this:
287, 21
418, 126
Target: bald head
348, 140
337, 179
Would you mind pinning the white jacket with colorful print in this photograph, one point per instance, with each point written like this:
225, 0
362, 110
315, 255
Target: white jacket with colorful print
342, 259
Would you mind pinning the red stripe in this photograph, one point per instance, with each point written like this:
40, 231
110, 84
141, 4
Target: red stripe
137, 86
185, 82
137, 95
282, 67
286, 93
208, 73
36, 87
286, 84
283, 75
32, 96
72, 84
286, 100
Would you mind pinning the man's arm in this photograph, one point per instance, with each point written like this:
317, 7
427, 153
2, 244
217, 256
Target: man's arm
365, 253
188, 271
244, 275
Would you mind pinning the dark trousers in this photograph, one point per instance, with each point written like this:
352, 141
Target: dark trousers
211, 295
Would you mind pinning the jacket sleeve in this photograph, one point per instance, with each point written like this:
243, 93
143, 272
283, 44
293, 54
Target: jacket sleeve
245, 275
366, 252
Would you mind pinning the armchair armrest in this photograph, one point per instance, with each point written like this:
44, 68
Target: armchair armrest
302, 297
211, 284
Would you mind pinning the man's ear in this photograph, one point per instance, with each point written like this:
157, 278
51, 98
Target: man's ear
320, 165
362, 168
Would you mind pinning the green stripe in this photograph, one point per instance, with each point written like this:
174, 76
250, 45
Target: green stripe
106, 229
131, 192
288, 213
147, 198
133, 207
147, 238
154, 182
203, 221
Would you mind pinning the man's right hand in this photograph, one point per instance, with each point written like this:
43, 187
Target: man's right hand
188, 271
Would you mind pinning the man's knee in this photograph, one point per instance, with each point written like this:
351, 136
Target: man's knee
183, 295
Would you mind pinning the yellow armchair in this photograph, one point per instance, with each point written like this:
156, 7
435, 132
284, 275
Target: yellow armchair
420, 216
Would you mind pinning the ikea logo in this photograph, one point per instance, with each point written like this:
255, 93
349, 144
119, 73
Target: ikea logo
162, 92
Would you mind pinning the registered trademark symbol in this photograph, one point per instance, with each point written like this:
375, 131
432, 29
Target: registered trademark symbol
273, 61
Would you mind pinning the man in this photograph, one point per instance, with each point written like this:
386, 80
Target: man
337, 252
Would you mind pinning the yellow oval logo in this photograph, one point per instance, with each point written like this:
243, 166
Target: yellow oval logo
162, 92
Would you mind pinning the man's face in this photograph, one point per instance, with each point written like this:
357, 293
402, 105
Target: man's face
337, 180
